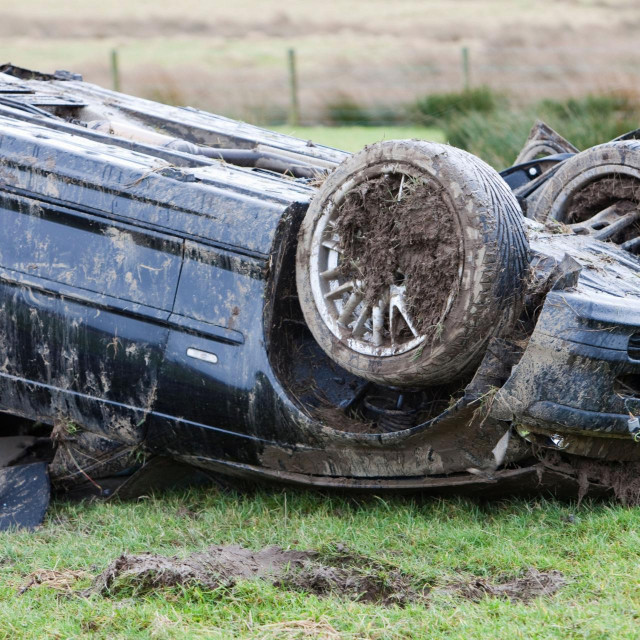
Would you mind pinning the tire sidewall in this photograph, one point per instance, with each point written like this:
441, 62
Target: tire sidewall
613, 158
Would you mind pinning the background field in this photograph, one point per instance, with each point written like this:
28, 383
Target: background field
230, 57
354, 138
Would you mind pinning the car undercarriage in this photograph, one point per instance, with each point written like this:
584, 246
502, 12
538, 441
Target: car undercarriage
183, 291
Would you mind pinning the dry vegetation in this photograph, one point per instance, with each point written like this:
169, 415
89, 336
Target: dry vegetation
230, 56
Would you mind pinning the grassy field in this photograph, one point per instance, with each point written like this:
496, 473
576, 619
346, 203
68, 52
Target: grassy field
595, 546
231, 57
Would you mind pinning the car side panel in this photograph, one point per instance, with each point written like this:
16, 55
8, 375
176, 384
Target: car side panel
210, 378
83, 309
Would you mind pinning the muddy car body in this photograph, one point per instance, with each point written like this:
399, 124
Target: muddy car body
149, 304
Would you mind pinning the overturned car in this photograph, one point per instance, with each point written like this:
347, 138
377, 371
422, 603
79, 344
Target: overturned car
178, 286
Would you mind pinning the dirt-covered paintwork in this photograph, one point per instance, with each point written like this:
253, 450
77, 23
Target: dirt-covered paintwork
148, 307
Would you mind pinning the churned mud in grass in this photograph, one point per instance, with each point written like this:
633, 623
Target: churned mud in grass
533, 584
342, 574
356, 577
399, 230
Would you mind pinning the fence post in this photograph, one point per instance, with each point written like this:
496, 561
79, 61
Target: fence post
465, 68
294, 110
115, 70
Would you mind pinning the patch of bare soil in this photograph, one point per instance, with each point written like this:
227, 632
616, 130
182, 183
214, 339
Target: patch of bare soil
400, 230
533, 584
349, 576
341, 574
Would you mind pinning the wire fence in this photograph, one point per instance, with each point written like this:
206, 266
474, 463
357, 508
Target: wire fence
300, 89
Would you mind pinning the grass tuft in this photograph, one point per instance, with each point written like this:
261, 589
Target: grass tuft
497, 135
444, 107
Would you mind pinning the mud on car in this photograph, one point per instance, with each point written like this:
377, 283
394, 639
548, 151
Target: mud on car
180, 288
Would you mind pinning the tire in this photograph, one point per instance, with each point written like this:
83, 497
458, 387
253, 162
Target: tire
543, 141
617, 160
483, 297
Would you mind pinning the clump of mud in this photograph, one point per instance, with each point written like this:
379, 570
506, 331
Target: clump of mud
600, 194
533, 584
622, 479
345, 575
400, 230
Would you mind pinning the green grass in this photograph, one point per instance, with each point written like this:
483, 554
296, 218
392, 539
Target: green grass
495, 130
437, 540
355, 138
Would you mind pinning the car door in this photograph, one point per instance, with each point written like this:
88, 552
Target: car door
84, 302
210, 379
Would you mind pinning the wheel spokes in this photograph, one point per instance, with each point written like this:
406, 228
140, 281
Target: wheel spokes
340, 290
633, 245
333, 243
625, 221
609, 221
349, 307
360, 326
386, 320
398, 306
377, 323
331, 274
385, 323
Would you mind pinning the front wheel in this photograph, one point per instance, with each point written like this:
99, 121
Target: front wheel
410, 257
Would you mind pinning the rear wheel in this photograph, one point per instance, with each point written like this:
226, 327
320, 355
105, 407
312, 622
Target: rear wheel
597, 192
411, 256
